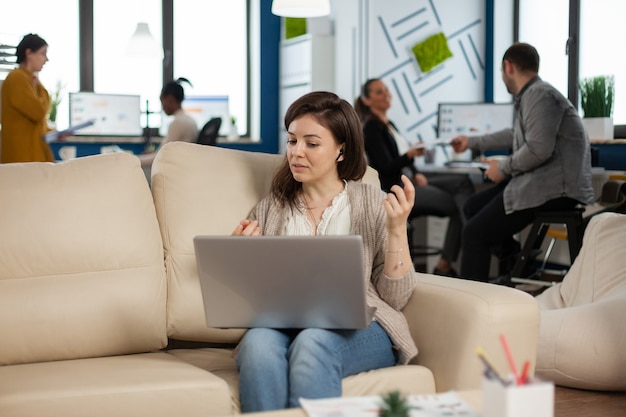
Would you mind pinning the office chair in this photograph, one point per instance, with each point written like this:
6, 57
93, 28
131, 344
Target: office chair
419, 252
612, 199
209, 132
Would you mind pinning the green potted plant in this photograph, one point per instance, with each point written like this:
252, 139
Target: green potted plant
394, 405
596, 99
55, 99
233, 135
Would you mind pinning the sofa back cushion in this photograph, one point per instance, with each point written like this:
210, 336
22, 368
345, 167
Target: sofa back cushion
82, 261
202, 190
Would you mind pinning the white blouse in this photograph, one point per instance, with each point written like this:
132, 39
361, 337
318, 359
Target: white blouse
335, 219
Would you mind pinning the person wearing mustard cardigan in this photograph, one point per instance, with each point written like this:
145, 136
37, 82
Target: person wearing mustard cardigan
25, 104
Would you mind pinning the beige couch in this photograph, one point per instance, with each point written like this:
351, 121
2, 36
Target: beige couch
582, 342
98, 274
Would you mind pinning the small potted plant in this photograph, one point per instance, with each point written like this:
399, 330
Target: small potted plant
596, 99
55, 100
394, 405
233, 135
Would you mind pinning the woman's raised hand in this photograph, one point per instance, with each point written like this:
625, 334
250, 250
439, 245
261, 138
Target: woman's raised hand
398, 205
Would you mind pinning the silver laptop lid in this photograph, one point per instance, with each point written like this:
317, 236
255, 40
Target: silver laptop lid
283, 281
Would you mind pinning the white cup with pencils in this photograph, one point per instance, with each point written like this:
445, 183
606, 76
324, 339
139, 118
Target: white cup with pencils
514, 394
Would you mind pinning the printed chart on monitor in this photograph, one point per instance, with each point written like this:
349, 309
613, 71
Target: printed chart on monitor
473, 118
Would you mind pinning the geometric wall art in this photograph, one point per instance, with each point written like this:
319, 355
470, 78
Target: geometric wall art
384, 36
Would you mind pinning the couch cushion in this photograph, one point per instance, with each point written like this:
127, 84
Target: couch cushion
410, 379
82, 261
582, 337
198, 190
150, 384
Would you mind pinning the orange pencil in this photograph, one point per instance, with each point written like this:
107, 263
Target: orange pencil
509, 357
524, 376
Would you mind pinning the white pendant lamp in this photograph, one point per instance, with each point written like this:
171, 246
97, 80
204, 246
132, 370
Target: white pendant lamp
301, 8
142, 44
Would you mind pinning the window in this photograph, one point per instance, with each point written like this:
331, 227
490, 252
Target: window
211, 51
62, 67
115, 72
545, 25
601, 40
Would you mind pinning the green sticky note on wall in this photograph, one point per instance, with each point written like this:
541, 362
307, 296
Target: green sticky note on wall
294, 26
432, 51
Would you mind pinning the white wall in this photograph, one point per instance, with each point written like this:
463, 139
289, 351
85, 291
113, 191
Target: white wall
374, 37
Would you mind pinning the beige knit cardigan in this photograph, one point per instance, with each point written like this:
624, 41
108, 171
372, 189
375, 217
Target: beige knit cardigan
388, 295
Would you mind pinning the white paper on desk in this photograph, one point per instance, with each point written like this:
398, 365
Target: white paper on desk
432, 144
428, 405
55, 134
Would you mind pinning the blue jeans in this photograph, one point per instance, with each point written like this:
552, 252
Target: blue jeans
277, 367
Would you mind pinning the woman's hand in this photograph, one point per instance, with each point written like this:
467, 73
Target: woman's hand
398, 205
415, 152
247, 228
420, 180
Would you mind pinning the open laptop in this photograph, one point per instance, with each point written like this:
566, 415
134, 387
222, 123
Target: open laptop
283, 281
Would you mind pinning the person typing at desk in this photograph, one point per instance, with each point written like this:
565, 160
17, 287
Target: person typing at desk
549, 168
391, 155
183, 127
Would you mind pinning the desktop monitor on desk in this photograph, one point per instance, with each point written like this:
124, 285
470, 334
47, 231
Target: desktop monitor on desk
202, 109
472, 119
114, 114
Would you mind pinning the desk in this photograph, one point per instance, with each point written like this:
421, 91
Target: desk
90, 145
611, 153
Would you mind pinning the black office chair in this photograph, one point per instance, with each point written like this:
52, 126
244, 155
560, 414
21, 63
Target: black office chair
209, 132
612, 199
419, 252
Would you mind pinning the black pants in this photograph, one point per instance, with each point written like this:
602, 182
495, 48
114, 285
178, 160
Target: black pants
488, 225
445, 196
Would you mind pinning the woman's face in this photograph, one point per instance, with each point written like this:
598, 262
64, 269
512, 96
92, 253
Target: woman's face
36, 59
312, 151
379, 98
168, 104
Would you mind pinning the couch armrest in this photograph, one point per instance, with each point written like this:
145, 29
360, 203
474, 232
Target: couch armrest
449, 318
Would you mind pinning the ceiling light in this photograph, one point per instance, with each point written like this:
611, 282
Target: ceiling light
301, 8
142, 44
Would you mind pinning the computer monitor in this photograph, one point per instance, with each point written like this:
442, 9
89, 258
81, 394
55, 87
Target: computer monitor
114, 114
202, 109
473, 118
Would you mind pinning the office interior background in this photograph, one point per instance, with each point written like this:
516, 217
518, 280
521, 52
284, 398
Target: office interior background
232, 48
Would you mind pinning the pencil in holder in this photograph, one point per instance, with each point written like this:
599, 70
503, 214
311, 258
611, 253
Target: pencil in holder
532, 399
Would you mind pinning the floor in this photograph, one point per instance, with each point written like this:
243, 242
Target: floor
570, 402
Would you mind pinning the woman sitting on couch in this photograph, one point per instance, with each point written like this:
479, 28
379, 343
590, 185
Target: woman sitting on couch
316, 192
